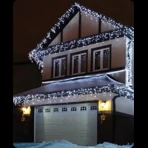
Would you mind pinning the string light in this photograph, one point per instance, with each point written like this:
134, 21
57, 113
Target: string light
122, 91
42, 48
129, 55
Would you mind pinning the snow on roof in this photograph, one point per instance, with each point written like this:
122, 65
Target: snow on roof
73, 83
42, 48
82, 85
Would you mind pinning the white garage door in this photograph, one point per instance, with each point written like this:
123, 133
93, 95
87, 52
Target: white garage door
76, 123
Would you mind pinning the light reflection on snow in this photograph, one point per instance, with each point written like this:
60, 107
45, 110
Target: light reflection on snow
66, 144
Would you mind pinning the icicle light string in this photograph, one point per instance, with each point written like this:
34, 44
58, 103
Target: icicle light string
125, 92
37, 54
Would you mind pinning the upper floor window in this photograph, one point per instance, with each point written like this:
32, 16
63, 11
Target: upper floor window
59, 66
79, 62
101, 58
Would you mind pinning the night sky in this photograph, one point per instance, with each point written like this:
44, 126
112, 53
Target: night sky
32, 19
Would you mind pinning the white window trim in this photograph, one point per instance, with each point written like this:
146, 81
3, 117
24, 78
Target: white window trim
101, 59
60, 67
79, 65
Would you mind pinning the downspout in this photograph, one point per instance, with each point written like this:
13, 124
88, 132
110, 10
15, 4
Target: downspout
114, 118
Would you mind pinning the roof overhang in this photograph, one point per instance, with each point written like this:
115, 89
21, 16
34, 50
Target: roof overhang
70, 88
44, 49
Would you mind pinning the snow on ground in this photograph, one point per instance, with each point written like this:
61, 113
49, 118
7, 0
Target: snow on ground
66, 144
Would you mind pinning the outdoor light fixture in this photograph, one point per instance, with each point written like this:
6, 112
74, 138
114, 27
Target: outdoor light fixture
26, 112
104, 106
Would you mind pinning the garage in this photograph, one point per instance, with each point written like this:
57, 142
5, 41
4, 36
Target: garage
76, 123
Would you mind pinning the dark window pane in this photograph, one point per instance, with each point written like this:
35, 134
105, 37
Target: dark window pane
47, 110
83, 63
40, 110
64, 109
106, 55
56, 68
75, 64
97, 60
55, 110
73, 109
63, 67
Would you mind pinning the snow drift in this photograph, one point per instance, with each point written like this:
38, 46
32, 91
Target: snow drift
66, 144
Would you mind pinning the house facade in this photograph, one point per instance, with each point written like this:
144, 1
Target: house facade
86, 61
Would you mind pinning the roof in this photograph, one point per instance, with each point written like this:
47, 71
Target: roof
44, 49
81, 85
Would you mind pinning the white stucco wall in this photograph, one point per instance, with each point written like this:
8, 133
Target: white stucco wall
117, 56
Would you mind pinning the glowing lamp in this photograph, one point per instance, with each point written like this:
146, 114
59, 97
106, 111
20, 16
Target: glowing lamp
105, 106
26, 110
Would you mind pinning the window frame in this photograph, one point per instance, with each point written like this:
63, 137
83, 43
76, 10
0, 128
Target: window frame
101, 49
82, 108
73, 109
40, 110
55, 110
79, 54
60, 66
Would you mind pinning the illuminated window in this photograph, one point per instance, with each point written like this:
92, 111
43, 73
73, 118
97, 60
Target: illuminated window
79, 63
59, 66
101, 59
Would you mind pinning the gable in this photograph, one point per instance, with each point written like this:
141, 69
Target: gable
87, 16
70, 28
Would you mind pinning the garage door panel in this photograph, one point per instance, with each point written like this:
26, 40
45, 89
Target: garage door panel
76, 123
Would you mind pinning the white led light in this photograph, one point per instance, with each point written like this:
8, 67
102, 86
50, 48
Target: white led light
38, 54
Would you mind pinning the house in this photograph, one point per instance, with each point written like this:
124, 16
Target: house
86, 61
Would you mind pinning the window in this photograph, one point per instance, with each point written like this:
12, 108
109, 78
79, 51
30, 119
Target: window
47, 110
55, 110
79, 62
73, 109
64, 109
40, 110
93, 108
83, 108
101, 58
59, 66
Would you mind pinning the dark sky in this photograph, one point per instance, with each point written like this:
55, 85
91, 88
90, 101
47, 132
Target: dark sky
32, 19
